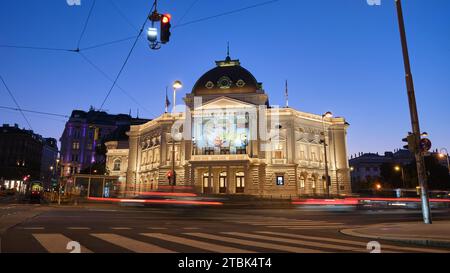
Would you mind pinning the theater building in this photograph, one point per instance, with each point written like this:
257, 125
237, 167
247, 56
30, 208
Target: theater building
229, 140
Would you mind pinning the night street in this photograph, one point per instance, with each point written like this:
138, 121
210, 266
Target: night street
224, 136
113, 229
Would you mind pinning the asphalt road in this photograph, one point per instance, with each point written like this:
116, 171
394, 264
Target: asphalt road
115, 229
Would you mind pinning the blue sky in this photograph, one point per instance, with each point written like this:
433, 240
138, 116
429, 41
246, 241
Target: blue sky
340, 56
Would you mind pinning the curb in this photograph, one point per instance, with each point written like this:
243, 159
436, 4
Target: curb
420, 242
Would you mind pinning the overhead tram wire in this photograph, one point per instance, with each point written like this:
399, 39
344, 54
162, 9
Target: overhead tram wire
34, 112
128, 57
85, 24
124, 17
225, 13
15, 101
96, 67
187, 11
37, 48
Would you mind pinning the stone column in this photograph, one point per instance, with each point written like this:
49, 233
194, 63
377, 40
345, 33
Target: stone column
209, 179
228, 185
339, 163
134, 151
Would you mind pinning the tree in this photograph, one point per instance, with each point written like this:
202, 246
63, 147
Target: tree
390, 177
438, 176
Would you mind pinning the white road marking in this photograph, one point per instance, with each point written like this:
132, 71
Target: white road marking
56, 243
357, 243
255, 244
196, 244
131, 244
121, 228
294, 241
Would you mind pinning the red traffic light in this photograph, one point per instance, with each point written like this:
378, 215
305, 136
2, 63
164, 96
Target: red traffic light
166, 18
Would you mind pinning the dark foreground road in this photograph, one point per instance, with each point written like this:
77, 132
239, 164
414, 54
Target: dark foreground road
114, 229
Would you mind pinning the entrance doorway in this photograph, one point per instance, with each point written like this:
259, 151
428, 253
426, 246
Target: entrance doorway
206, 187
240, 182
223, 182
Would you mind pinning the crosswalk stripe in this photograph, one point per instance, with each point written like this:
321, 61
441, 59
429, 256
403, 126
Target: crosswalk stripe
309, 227
349, 242
131, 244
255, 243
295, 241
297, 224
196, 244
56, 243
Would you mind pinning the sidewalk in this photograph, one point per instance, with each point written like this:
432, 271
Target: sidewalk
437, 234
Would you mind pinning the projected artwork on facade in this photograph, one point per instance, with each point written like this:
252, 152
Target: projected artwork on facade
221, 134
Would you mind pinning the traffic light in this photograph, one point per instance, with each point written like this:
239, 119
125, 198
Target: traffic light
411, 140
165, 28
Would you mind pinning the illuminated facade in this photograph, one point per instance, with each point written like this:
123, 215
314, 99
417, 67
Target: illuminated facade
230, 141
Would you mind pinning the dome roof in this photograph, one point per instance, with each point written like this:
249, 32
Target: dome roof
229, 77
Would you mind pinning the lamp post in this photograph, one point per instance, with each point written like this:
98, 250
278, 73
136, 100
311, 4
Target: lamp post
398, 169
176, 85
60, 180
327, 176
441, 155
421, 172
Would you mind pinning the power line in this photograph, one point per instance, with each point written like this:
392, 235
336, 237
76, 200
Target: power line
37, 48
69, 50
34, 112
187, 11
225, 13
15, 101
110, 79
128, 57
86, 24
107, 43
116, 7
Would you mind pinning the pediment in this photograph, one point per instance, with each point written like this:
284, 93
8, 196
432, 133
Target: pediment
225, 103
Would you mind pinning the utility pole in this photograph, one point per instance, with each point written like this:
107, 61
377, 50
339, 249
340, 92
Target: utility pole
421, 173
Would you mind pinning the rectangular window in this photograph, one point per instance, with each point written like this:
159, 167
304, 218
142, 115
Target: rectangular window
76, 145
302, 155
280, 180
278, 154
75, 158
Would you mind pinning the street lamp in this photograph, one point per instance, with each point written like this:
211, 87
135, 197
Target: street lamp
442, 155
378, 186
176, 85
327, 176
398, 169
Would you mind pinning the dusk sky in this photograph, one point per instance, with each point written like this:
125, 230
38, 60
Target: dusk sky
341, 56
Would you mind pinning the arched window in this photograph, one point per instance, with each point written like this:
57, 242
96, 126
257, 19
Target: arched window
117, 163
302, 182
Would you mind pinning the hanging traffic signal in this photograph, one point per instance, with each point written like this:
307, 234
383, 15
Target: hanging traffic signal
411, 140
165, 28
